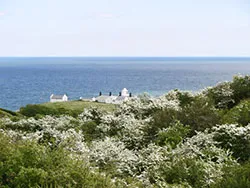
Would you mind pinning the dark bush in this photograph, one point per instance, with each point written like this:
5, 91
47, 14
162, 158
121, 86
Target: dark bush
26, 164
89, 131
185, 98
222, 95
188, 170
236, 177
236, 140
239, 114
33, 110
173, 135
199, 115
241, 87
161, 119
38, 111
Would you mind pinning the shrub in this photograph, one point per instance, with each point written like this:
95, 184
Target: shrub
39, 111
235, 177
112, 155
172, 135
222, 95
234, 138
161, 120
9, 112
197, 162
89, 130
26, 164
145, 106
33, 110
241, 87
199, 115
185, 98
239, 114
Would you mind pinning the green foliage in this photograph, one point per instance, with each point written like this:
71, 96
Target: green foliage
235, 139
176, 140
80, 106
239, 114
228, 94
235, 177
4, 112
26, 164
185, 170
71, 108
222, 95
172, 135
89, 130
241, 87
199, 115
38, 111
161, 120
185, 98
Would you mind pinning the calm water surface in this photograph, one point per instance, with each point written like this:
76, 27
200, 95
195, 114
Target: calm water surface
32, 80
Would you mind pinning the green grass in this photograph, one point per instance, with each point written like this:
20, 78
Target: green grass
80, 105
72, 108
8, 113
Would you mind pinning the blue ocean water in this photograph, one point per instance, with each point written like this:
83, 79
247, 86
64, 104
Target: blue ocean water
32, 80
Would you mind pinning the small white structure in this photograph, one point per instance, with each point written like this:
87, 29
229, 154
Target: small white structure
124, 95
58, 98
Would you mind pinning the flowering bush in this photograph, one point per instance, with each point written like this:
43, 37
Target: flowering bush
235, 177
143, 107
172, 135
241, 87
51, 131
222, 95
198, 162
111, 153
27, 164
240, 114
234, 138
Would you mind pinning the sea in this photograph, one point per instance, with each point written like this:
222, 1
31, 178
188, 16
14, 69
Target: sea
31, 80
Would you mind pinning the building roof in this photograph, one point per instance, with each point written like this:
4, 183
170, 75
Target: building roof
102, 98
121, 98
57, 96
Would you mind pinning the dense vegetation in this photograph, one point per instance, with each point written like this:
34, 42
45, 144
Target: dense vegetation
177, 140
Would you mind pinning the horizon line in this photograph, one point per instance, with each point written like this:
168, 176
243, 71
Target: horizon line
174, 57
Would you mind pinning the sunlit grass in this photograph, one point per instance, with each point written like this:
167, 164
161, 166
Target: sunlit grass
80, 105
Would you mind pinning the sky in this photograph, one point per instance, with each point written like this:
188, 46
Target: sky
125, 28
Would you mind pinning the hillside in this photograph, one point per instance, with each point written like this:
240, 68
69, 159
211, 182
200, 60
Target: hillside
80, 105
178, 140
8, 113
72, 108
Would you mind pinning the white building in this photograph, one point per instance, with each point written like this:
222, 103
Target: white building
58, 98
105, 99
125, 93
123, 96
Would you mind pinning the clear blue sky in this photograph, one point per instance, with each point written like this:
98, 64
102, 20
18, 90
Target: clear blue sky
124, 27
